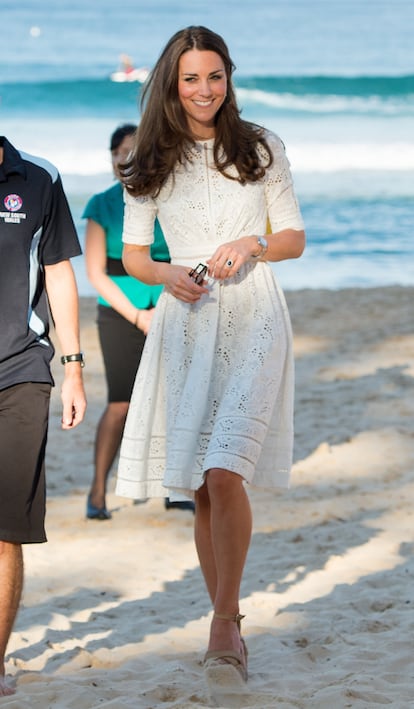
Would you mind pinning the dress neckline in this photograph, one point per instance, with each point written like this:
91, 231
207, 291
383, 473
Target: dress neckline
205, 141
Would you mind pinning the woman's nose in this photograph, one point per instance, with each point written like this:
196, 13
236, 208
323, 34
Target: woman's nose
205, 89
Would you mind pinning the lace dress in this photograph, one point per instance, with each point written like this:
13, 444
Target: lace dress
215, 383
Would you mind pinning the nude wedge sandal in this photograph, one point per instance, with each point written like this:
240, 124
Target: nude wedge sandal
225, 671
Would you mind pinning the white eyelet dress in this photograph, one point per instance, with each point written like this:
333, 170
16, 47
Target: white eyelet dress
215, 383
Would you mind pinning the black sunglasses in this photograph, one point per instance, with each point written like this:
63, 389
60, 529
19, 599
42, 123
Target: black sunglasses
198, 273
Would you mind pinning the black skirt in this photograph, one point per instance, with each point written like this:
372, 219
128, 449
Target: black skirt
121, 344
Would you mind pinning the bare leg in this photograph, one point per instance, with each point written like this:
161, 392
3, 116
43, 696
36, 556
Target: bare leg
11, 575
223, 531
204, 545
107, 441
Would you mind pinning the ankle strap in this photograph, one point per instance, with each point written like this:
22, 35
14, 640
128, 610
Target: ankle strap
236, 618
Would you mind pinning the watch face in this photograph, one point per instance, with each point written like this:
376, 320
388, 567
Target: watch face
262, 241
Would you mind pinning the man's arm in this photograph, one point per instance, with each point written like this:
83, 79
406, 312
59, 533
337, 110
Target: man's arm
62, 293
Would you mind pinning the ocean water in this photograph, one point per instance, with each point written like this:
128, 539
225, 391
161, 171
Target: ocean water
334, 79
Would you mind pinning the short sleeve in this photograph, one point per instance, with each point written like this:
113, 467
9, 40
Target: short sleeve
139, 218
92, 210
59, 240
282, 204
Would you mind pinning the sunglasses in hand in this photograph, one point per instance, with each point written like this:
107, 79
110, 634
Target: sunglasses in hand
198, 273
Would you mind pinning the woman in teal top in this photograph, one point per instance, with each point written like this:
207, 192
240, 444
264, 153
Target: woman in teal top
125, 308
106, 210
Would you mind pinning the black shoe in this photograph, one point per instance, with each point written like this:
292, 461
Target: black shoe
184, 505
93, 512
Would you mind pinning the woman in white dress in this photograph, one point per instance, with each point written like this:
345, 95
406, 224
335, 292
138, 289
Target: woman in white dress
212, 406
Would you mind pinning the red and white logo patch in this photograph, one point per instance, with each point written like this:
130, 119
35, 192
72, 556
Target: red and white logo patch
13, 202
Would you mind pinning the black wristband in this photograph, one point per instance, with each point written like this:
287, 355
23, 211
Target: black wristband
78, 357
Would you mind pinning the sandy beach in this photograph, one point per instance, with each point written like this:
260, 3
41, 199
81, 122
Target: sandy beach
115, 613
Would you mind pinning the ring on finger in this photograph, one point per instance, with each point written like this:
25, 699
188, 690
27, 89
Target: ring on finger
229, 263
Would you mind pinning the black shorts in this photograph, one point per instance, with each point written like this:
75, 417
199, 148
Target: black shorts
121, 344
24, 414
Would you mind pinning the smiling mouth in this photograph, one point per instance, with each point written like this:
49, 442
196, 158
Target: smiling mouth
203, 104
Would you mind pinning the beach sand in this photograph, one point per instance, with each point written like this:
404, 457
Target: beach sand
115, 614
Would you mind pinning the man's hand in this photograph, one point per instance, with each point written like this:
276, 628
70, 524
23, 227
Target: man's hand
73, 397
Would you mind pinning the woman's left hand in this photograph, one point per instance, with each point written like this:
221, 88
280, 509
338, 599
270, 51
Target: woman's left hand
143, 320
228, 258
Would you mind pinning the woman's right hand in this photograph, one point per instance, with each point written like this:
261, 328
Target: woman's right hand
138, 263
181, 286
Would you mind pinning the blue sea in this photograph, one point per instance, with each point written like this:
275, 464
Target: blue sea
334, 78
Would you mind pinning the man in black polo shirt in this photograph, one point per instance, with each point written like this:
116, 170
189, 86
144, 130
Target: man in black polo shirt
37, 239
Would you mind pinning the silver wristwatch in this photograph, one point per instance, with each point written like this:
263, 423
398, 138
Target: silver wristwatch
262, 242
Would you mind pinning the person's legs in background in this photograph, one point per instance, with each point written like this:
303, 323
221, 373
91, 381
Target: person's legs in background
107, 442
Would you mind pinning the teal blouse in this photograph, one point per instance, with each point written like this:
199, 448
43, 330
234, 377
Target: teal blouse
107, 210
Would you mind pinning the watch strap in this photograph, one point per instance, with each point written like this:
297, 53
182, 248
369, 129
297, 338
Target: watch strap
78, 357
262, 242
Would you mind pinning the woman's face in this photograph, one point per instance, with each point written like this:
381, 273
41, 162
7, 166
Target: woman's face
121, 153
202, 87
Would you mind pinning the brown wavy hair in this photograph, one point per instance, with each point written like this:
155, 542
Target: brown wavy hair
163, 133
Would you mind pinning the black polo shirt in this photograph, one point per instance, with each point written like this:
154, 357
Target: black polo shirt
36, 230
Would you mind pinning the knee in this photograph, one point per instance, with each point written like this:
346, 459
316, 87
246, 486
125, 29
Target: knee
118, 410
6, 547
222, 482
